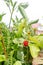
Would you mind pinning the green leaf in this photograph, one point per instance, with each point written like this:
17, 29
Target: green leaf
11, 2
15, 47
33, 22
7, 4
13, 20
15, 3
1, 16
34, 50
17, 19
22, 11
38, 40
33, 39
17, 63
21, 27
19, 55
2, 58
24, 5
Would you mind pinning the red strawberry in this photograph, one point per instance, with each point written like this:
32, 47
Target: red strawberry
25, 43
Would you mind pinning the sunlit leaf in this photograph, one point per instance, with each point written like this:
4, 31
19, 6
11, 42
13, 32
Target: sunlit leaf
21, 27
34, 50
17, 63
2, 58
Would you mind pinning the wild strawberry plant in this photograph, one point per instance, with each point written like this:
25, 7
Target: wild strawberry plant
18, 44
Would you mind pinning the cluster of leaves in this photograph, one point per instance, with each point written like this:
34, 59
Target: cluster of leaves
12, 50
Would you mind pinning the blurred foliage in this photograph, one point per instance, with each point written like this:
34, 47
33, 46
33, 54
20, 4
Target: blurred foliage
12, 38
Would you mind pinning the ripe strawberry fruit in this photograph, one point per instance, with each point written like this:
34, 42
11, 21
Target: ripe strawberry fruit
25, 43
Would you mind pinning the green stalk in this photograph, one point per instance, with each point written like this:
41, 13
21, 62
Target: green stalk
4, 49
11, 16
27, 54
12, 13
10, 19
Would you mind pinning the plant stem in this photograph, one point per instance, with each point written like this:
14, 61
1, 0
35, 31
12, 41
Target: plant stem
4, 48
10, 20
27, 54
11, 16
9, 9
